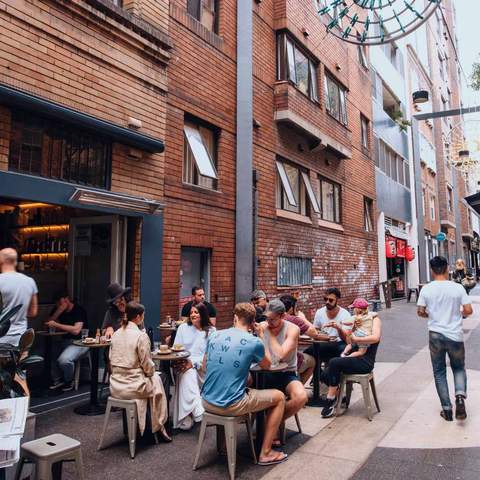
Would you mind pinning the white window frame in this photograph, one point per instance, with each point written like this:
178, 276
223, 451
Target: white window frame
368, 214
341, 94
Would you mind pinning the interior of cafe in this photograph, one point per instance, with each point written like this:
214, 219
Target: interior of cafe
65, 249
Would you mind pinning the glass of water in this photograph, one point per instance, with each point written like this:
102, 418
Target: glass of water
84, 333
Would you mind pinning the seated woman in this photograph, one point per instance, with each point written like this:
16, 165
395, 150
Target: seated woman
350, 365
193, 336
118, 297
133, 374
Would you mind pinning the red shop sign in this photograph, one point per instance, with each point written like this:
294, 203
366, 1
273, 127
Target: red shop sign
410, 253
390, 247
401, 247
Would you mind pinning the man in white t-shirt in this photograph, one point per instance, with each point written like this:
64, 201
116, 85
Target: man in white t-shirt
445, 303
329, 319
16, 289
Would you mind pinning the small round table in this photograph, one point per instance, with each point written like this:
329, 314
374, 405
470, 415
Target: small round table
165, 361
47, 358
259, 382
93, 407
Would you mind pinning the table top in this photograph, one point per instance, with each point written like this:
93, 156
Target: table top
79, 343
169, 357
46, 333
167, 327
281, 367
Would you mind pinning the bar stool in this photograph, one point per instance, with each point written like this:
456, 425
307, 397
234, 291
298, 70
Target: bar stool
130, 409
283, 430
46, 451
230, 426
78, 368
367, 383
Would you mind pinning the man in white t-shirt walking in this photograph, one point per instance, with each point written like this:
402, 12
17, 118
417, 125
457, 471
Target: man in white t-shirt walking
444, 303
16, 289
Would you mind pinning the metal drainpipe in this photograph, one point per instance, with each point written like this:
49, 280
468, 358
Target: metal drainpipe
244, 252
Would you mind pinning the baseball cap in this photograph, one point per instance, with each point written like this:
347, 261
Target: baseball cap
359, 303
258, 294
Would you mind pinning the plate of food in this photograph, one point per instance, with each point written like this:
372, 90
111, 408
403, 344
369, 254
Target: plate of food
88, 340
164, 350
178, 347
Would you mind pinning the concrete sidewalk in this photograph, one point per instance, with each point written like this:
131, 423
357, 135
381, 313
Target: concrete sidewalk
408, 439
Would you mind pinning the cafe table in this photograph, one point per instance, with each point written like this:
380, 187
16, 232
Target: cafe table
93, 407
166, 360
258, 374
47, 358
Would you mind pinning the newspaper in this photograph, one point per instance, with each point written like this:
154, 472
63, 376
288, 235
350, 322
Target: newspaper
13, 416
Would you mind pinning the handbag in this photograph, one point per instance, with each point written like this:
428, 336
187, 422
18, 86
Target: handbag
469, 282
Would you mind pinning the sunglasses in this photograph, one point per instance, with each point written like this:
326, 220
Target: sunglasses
329, 300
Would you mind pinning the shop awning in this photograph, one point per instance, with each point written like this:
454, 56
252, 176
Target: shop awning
474, 202
20, 99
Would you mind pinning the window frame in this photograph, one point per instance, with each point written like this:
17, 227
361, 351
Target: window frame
295, 269
364, 131
287, 49
337, 207
200, 5
191, 174
368, 215
341, 100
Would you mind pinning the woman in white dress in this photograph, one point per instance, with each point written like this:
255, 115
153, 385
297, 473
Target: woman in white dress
193, 335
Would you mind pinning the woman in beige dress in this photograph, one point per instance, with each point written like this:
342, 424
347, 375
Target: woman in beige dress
133, 374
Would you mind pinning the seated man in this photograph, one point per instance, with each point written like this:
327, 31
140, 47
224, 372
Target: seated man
68, 317
259, 301
229, 356
281, 340
329, 319
198, 296
305, 362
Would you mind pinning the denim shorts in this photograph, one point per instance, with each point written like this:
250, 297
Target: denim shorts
279, 380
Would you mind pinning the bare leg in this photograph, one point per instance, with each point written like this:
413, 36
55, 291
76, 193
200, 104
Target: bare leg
297, 398
332, 392
304, 376
274, 417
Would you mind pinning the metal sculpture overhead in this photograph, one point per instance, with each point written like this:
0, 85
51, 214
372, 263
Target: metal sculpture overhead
374, 22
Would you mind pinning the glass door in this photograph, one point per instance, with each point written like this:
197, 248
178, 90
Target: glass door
96, 258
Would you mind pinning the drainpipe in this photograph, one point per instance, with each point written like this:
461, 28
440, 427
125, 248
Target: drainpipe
244, 254
458, 217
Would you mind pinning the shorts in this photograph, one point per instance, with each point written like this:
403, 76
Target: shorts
308, 362
253, 401
279, 380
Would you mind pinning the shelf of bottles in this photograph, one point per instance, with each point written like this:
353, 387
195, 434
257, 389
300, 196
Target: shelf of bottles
41, 234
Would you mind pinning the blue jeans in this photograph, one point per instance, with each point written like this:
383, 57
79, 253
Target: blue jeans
65, 364
440, 346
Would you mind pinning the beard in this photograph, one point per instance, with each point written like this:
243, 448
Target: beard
330, 306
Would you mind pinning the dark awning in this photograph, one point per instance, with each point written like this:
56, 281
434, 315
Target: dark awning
17, 98
474, 201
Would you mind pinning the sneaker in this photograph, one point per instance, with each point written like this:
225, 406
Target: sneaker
447, 415
67, 387
56, 385
329, 408
460, 411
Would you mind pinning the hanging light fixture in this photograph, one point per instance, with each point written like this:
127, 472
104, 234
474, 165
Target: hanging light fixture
420, 96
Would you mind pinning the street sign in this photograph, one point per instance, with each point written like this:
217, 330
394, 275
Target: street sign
441, 237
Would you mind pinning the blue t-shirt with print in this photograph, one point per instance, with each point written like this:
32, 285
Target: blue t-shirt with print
230, 353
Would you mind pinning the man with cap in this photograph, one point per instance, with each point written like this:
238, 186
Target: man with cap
259, 301
117, 300
281, 340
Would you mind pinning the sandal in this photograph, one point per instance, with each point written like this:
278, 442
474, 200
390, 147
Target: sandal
274, 461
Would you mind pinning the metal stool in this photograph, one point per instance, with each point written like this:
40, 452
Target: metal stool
283, 430
230, 426
367, 382
46, 451
130, 408
78, 368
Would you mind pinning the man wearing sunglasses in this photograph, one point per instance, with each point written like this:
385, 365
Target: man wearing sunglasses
328, 320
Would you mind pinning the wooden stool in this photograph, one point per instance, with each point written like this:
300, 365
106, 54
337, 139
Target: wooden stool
46, 451
230, 426
130, 408
283, 430
367, 382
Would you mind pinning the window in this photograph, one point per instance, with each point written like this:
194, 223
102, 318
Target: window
432, 207
368, 214
364, 125
330, 201
294, 271
51, 149
362, 56
194, 272
424, 202
450, 199
295, 66
393, 165
118, 3
401, 170
199, 156
335, 99
294, 191
205, 11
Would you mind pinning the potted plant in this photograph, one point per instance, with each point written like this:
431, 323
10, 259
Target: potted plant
403, 124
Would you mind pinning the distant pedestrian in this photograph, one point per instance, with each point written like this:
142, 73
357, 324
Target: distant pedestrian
16, 289
198, 296
463, 275
443, 302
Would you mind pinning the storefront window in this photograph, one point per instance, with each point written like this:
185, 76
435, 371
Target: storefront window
194, 272
50, 149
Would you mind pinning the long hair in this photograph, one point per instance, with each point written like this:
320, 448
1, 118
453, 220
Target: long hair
205, 323
461, 262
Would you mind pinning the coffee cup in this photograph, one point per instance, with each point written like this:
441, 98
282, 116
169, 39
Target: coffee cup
163, 348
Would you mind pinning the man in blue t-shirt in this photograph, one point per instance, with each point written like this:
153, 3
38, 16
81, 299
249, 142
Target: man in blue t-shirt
229, 356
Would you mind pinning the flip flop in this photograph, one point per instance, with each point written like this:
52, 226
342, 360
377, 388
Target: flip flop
266, 463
